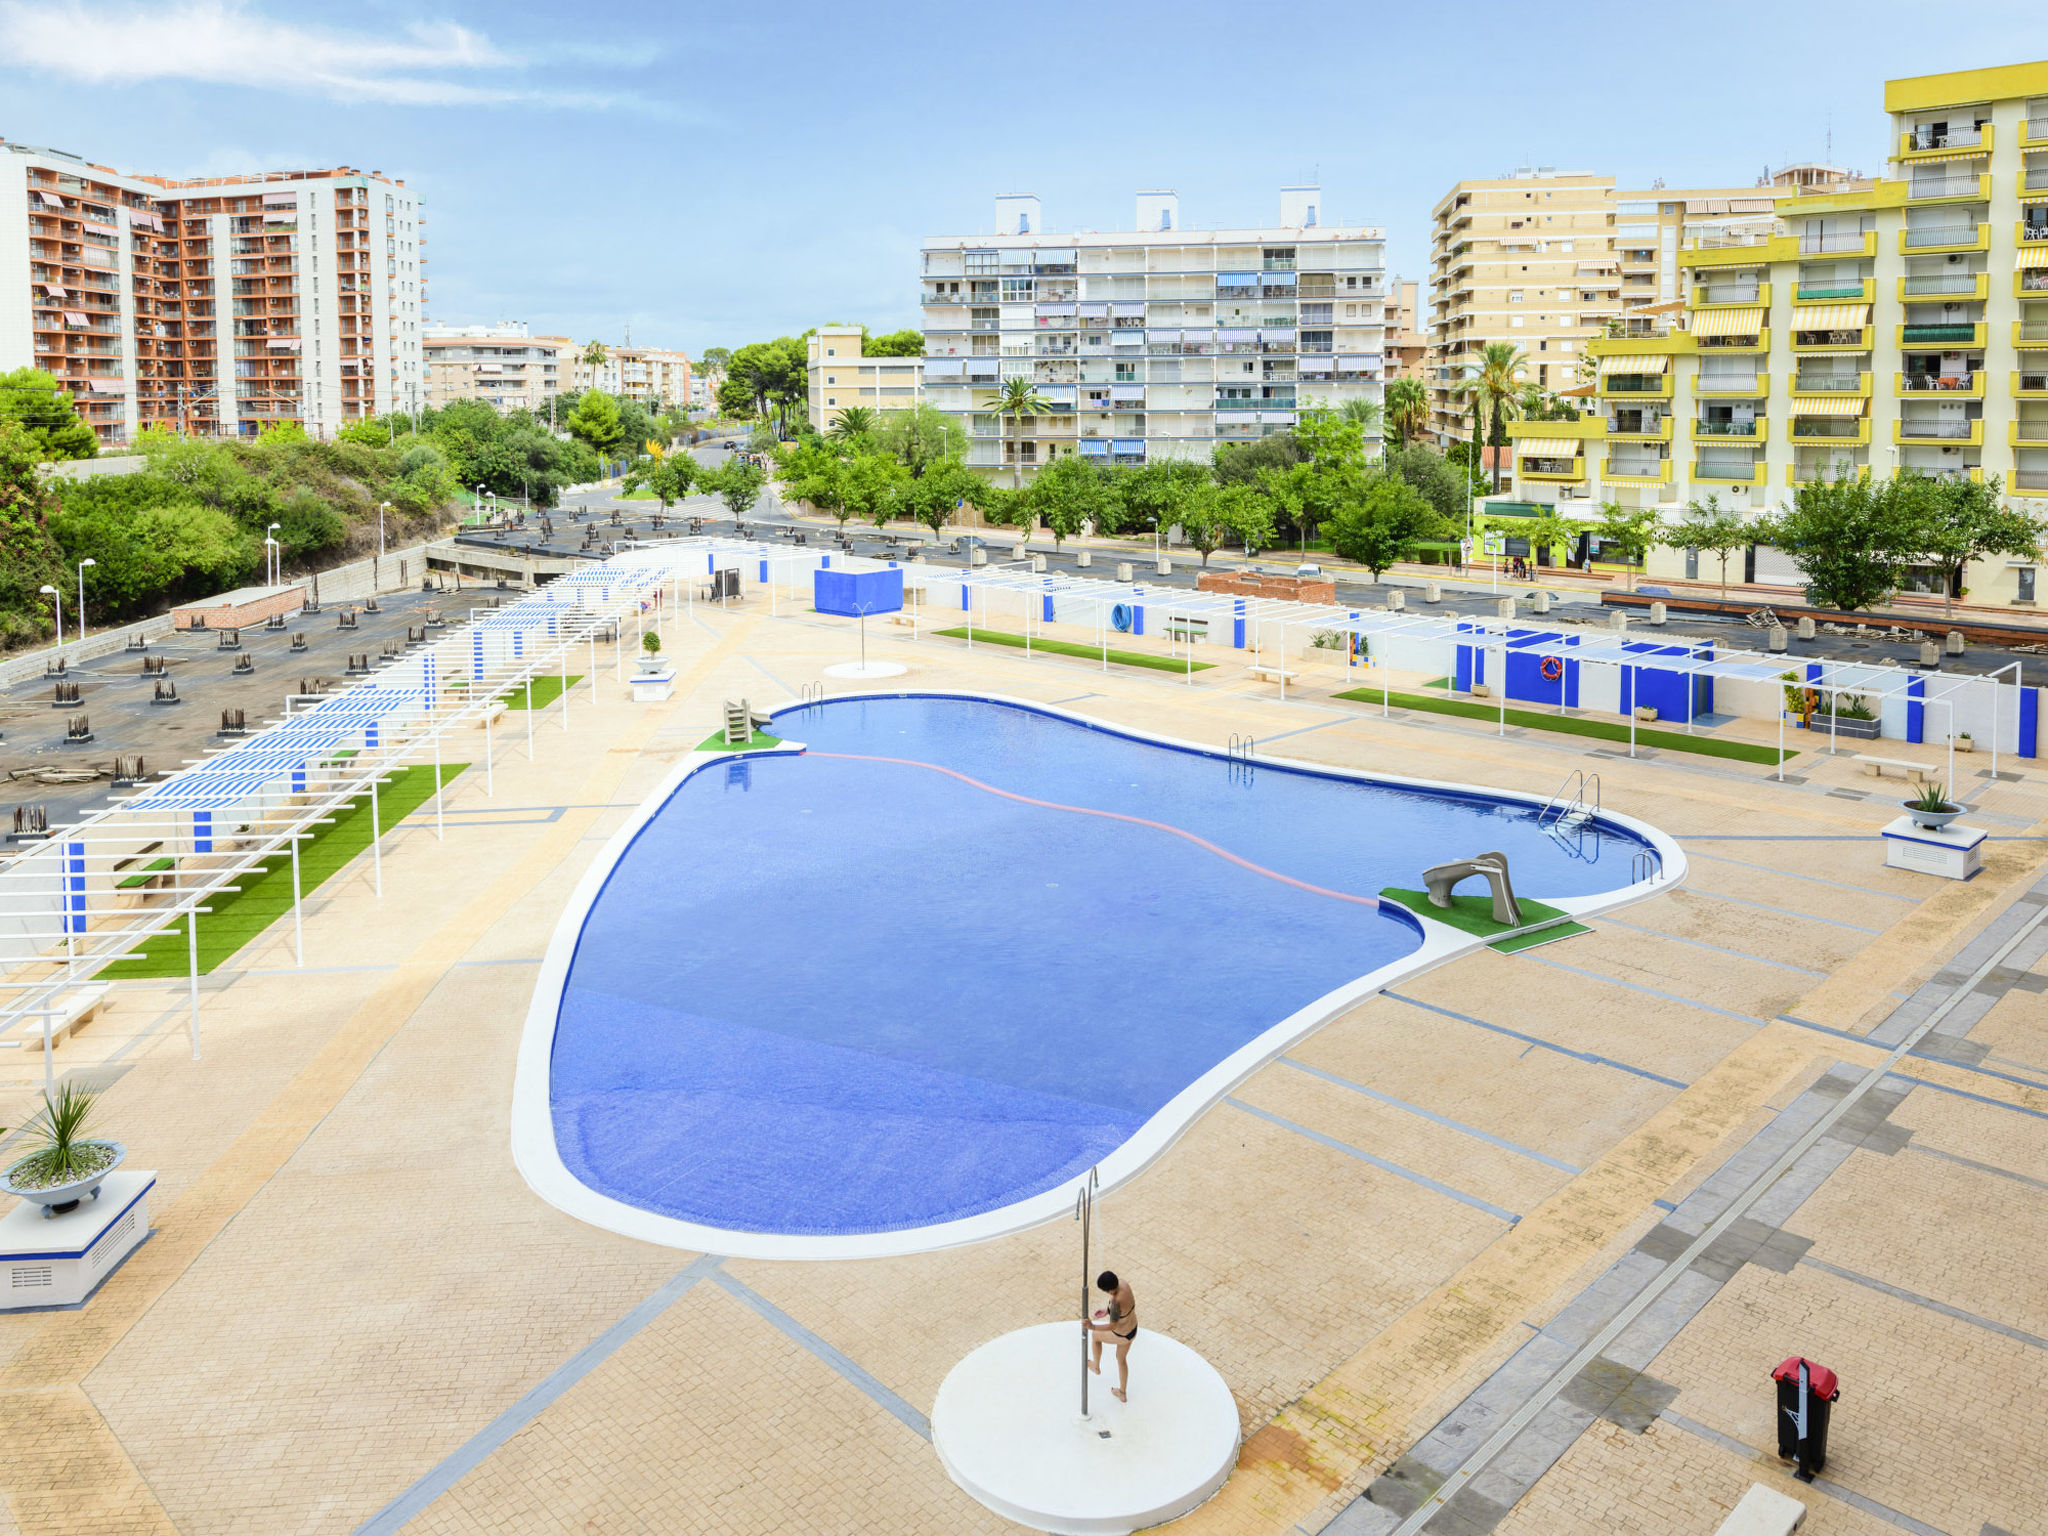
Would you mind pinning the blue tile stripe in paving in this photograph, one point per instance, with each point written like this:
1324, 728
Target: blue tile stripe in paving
1380, 1163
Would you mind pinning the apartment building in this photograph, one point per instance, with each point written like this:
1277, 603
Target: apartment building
1155, 343
1887, 324
1406, 345
217, 306
841, 376
503, 365
1548, 260
657, 378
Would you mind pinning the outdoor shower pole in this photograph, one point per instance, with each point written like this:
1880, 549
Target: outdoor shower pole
440, 826
192, 960
298, 927
529, 716
490, 768
565, 687
376, 832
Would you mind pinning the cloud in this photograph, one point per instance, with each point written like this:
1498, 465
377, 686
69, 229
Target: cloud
225, 42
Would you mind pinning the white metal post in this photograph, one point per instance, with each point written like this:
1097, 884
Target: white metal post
490, 768
298, 925
192, 962
440, 826
565, 687
376, 832
529, 717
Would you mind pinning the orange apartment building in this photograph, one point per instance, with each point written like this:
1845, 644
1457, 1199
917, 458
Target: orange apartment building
1405, 342
214, 307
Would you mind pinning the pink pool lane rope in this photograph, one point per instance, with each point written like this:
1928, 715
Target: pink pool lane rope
1082, 810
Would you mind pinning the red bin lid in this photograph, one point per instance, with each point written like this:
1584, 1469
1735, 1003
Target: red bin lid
1818, 1377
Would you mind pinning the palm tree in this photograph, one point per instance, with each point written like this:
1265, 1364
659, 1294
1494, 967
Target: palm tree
1498, 388
853, 421
1407, 408
594, 354
1020, 398
1365, 412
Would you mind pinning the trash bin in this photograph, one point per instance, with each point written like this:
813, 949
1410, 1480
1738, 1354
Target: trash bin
1803, 1410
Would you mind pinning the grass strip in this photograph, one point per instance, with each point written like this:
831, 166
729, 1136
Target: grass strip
546, 689
1474, 915
715, 742
1572, 725
1085, 652
266, 891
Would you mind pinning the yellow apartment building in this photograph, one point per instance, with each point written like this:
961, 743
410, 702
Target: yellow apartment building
1887, 324
840, 376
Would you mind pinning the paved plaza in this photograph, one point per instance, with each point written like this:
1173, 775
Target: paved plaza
1660, 1143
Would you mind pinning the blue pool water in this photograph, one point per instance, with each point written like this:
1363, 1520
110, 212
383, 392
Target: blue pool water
829, 994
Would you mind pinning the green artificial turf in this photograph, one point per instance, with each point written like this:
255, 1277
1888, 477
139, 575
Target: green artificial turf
1474, 915
266, 892
1085, 652
1571, 725
715, 742
546, 689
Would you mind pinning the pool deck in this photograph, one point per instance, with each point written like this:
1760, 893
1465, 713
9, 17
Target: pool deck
353, 1315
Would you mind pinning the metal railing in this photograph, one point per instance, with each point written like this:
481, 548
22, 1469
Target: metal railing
1942, 282
1945, 234
1815, 245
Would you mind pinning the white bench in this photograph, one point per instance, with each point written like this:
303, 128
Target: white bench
1916, 773
1266, 674
904, 618
75, 1007
1763, 1512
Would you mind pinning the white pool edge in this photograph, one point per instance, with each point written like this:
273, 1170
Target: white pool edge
539, 1161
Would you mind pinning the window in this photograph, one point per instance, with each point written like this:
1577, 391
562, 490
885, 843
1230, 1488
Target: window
1514, 295
831, 378
831, 399
831, 351
2026, 591
1515, 320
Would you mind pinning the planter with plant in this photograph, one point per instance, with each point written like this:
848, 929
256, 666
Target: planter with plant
1931, 809
650, 652
1963, 743
1850, 717
67, 1164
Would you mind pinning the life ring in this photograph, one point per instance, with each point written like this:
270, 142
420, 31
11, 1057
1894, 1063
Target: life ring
1552, 667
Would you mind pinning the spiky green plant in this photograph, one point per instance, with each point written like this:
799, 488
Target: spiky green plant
64, 1153
1932, 797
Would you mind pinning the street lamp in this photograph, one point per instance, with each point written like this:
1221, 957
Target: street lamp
88, 560
58, 598
277, 555
382, 507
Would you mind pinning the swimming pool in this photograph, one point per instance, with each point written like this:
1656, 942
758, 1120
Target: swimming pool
902, 988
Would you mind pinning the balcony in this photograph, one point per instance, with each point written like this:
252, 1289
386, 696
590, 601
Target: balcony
1760, 341
1866, 291
1863, 244
1969, 385
2030, 334
2028, 482
1728, 474
1935, 189
1706, 295
1920, 142
2031, 384
1946, 237
1835, 341
1831, 384
2030, 280
1818, 471
1554, 467
1657, 431
1636, 471
1941, 434
1942, 338
1657, 385
1729, 429
1846, 432
1746, 387
2027, 434
1956, 285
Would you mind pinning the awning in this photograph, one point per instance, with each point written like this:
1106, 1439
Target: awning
1133, 394
54, 290
1635, 362
1955, 154
1829, 405
282, 343
1728, 322
1235, 333
1274, 333
96, 256
281, 197
1120, 337
1276, 279
1548, 447
1127, 311
1201, 333
2035, 255
1054, 311
1094, 311
1127, 445
1360, 360
76, 317
50, 199
1051, 256
108, 386
1163, 338
1830, 317
1237, 279
936, 369
1095, 447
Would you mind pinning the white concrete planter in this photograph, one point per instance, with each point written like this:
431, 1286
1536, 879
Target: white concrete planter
54, 1196
1931, 821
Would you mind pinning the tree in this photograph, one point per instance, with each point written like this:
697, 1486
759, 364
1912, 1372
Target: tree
1446, 483
1017, 399
714, 360
1243, 463
1368, 415
933, 497
595, 422
1247, 515
594, 354
32, 400
1851, 538
855, 421
1630, 531
737, 482
1155, 495
1957, 521
668, 478
894, 344
28, 555
1066, 494
1385, 524
1709, 528
921, 437
734, 397
636, 428
869, 486
1406, 404
1496, 392
812, 472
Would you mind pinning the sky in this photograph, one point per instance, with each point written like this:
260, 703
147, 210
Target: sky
713, 175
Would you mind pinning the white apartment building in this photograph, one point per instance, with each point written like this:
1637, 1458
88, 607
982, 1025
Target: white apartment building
655, 377
217, 306
1154, 343
840, 376
502, 365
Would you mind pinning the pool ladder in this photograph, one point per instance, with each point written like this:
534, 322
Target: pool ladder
1569, 809
1642, 865
811, 693
1240, 750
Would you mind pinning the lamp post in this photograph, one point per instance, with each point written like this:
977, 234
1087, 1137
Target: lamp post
382, 507
277, 554
58, 598
88, 560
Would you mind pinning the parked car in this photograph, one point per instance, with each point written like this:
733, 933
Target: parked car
1308, 569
